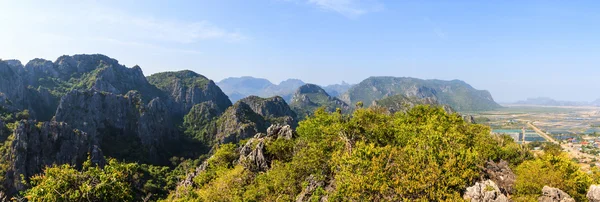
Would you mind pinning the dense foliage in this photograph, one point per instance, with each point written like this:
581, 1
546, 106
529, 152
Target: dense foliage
423, 154
116, 181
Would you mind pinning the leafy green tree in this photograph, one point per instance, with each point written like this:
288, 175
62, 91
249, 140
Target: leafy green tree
114, 182
551, 170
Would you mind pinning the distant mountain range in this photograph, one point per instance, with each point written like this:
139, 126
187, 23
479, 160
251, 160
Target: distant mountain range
546, 101
456, 93
240, 87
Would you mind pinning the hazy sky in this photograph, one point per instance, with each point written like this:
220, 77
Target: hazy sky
514, 49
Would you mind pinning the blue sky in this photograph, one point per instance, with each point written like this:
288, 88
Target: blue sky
514, 49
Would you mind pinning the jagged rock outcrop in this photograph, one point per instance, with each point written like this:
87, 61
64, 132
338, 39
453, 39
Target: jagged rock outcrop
187, 88
281, 131
312, 183
123, 126
485, 191
184, 186
252, 154
501, 174
309, 97
239, 122
593, 194
273, 109
550, 194
36, 145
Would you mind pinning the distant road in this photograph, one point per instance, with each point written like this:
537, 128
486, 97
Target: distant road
571, 151
541, 133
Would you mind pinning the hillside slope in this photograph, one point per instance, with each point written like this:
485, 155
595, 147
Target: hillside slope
457, 94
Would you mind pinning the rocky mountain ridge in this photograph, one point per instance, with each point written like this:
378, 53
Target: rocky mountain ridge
457, 94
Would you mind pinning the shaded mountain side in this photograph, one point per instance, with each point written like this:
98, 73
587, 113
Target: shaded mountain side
310, 97
186, 89
200, 126
274, 109
239, 122
122, 125
210, 126
458, 94
36, 145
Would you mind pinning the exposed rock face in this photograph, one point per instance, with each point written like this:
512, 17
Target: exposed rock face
201, 122
593, 194
550, 194
280, 131
468, 118
501, 174
309, 97
12, 85
30, 86
37, 145
273, 109
401, 103
187, 88
239, 122
252, 154
184, 186
312, 184
486, 191
3, 131
121, 125
457, 94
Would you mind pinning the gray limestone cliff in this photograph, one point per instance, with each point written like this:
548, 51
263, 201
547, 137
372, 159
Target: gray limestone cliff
123, 126
36, 145
187, 88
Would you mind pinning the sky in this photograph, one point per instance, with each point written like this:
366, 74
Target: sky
514, 49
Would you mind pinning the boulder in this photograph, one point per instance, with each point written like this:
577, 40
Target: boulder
550, 194
280, 131
485, 191
501, 174
593, 194
252, 154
